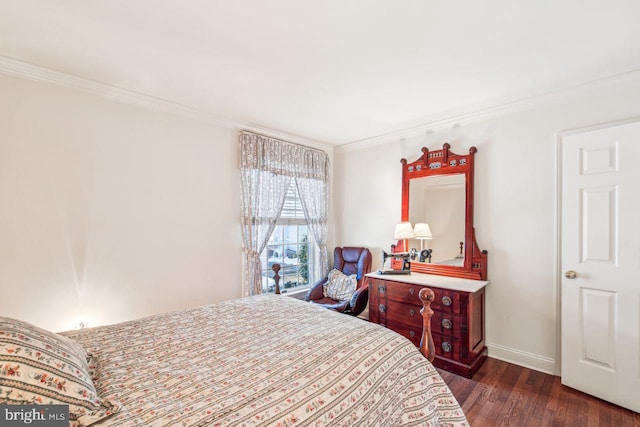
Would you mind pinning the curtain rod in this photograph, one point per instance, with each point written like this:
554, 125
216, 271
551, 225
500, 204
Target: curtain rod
240, 132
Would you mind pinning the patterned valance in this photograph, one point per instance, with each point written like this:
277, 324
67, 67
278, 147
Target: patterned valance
282, 158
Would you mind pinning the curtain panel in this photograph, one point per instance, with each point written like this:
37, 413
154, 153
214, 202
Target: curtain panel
267, 166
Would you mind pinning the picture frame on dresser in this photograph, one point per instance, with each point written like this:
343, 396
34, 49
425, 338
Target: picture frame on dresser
458, 321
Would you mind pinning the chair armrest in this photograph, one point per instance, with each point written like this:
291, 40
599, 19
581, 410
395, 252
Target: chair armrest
316, 291
359, 299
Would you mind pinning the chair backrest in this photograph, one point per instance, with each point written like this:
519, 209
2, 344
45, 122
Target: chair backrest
352, 260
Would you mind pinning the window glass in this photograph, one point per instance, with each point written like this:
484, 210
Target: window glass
291, 246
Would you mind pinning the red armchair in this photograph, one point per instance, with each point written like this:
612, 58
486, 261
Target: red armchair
349, 260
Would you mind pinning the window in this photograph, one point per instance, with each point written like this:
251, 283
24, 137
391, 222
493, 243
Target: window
292, 247
267, 168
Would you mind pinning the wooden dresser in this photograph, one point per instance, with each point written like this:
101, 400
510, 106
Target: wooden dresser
457, 324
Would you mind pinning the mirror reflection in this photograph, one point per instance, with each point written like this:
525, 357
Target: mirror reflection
439, 202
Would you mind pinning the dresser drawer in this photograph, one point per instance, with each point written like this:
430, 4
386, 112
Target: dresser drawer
398, 313
447, 346
411, 332
446, 323
400, 292
446, 301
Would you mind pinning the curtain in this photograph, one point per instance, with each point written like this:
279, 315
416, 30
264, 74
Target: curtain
267, 166
314, 197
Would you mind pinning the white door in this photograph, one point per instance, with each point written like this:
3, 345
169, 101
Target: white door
601, 243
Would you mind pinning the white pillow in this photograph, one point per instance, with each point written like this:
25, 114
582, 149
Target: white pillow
41, 367
339, 286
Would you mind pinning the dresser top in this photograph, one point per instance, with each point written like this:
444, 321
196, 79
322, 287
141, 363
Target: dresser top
453, 283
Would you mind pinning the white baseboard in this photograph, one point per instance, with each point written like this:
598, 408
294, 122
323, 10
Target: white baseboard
522, 358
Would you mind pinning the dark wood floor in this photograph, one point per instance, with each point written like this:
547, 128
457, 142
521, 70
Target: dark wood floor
503, 394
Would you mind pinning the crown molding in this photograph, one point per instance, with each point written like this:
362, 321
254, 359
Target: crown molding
25, 70
487, 111
470, 114
16, 68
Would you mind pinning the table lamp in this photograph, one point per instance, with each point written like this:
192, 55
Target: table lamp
422, 232
404, 231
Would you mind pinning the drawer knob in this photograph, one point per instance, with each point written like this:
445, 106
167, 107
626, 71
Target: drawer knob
446, 301
446, 323
412, 334
446, 347
382, 308
411, 291
382, 289
412, 312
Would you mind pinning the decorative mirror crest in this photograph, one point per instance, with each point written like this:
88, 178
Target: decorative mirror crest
468, 261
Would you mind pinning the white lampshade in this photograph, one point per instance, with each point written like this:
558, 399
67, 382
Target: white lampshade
422, 231
404, 230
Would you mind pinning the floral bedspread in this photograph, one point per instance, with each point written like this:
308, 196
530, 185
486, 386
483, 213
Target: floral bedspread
265, 361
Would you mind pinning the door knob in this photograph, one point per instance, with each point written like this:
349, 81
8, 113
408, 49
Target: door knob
570, 274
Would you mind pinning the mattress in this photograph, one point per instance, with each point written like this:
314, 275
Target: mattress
268, 360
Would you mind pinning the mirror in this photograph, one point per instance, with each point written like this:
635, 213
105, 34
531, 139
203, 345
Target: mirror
437, 189
439, 201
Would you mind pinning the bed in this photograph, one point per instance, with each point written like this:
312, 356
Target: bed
267, 360
458, 261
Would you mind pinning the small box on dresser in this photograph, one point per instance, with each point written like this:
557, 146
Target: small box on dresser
457, 324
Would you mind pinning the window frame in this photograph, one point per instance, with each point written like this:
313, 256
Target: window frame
290, 217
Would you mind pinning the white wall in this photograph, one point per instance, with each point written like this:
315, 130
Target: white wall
515, 205
110, 212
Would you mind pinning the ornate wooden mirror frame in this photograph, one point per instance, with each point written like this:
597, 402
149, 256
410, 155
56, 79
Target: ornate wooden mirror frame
445, 162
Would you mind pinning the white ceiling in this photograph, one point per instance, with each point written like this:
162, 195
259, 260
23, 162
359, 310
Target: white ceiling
333, 71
